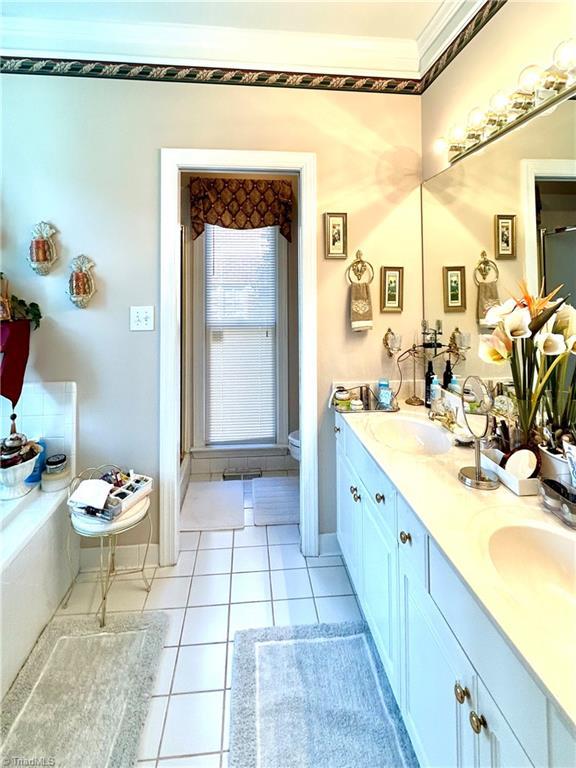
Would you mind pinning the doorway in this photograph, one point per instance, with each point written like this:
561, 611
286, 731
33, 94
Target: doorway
173, 164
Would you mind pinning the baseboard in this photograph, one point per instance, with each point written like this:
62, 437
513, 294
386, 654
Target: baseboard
127, 556
329, 544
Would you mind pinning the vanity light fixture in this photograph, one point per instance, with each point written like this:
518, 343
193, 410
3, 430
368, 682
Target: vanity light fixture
538, 89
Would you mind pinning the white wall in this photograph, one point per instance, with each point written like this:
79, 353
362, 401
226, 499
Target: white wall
521, 33
84, 154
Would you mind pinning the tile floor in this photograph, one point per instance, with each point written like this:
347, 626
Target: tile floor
224, 581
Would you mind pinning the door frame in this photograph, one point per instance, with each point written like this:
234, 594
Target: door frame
172, 162
531, 172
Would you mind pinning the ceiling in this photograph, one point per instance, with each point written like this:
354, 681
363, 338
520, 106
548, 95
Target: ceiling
381, 37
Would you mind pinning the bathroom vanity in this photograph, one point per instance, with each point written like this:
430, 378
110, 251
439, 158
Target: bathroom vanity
470, 596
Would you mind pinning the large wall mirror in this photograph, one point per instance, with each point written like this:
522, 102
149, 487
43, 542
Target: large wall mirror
514, 200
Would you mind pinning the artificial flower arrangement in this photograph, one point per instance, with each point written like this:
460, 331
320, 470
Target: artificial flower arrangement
537, 336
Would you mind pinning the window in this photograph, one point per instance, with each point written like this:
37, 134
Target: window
243, 307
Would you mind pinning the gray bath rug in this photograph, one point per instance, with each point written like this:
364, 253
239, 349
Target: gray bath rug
276, 500
213, 506
82, 697
314, 697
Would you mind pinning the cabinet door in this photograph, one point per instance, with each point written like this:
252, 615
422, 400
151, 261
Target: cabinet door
498, 746
349, 519
380, 594
432, 663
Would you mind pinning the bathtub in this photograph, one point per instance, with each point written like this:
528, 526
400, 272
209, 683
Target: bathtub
34, 568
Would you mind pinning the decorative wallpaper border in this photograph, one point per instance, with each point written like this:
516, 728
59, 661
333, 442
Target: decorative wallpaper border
248, 77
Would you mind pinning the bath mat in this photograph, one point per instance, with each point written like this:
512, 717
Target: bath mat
276, 500
213, 506
82, 697
314, 697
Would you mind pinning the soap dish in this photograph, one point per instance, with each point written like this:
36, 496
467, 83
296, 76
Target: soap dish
559, 499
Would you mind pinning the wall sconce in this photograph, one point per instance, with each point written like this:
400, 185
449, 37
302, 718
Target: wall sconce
392, 342
536, 86
81, 286
42, 253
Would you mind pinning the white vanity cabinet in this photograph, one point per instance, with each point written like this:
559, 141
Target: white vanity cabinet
466, 698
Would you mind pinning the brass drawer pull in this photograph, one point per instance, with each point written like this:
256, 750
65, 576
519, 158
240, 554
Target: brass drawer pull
353, 490
357, 497
336, 429
461, 693
380, 498
405, 537
477, 722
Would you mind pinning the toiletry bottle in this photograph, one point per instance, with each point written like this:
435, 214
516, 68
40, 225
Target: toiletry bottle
447, 377
384, 394
454, 386
428, 381
435, 393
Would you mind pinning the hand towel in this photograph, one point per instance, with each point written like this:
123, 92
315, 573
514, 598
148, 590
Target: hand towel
487, 297
360, 307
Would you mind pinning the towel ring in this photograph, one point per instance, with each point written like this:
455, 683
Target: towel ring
358, 268
483, 269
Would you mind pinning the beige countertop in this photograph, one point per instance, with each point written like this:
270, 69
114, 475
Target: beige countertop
537, 616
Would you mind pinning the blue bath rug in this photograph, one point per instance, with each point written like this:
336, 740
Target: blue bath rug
314, 697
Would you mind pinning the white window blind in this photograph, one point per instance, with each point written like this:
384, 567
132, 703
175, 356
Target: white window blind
241, 314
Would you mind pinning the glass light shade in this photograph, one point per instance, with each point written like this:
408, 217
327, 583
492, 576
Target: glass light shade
499, 102
457, 134
440, 146
476, 119
565, 55
530, 78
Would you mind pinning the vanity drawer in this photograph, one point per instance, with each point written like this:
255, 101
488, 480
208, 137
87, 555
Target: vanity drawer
412, 540
519, 698
375, 481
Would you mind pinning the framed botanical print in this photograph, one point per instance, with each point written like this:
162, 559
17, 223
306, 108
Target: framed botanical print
336, 235
391, 289
454, 282
505, 236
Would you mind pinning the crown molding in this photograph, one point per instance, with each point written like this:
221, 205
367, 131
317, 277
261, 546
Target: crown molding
442, 29
211, 47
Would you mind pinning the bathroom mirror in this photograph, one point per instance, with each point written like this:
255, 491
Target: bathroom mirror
513, 201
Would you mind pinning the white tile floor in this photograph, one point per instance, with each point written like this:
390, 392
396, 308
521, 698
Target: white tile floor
224, 581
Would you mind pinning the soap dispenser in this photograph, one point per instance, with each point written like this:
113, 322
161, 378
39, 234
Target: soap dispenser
428, 384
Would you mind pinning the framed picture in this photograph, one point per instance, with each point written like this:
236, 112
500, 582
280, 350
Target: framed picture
336, 235
505, 236
391, 289
454, 280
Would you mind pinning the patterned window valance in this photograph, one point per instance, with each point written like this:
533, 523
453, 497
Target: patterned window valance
241, 204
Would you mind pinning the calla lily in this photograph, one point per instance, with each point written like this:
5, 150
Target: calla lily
571, 344
517, 323
565, 321
495, 348
495, 314
551, 343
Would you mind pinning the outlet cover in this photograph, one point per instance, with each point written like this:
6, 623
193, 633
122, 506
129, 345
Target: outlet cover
142, 318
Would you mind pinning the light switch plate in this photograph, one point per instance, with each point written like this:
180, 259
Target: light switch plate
142, 318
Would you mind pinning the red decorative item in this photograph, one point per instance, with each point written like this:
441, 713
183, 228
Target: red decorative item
15, 347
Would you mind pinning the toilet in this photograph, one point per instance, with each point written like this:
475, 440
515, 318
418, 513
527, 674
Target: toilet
294, 444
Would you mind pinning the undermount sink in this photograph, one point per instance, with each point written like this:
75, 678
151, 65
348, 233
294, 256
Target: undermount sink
539, 566
410, 435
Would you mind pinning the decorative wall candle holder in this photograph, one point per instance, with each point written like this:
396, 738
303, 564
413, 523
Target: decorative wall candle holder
42, 253
81, 286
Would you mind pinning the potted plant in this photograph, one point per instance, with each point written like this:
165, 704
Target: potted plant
535, 335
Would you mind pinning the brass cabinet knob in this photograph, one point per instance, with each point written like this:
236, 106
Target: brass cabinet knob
477, 722
405, 537
353, 490
336, 429
380, 498
357, 497
461, 693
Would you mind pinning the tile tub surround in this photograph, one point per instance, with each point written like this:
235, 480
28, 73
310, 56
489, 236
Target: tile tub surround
188, 719
461, 522
47, 410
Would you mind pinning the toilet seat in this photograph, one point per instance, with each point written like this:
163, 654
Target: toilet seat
294, 444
